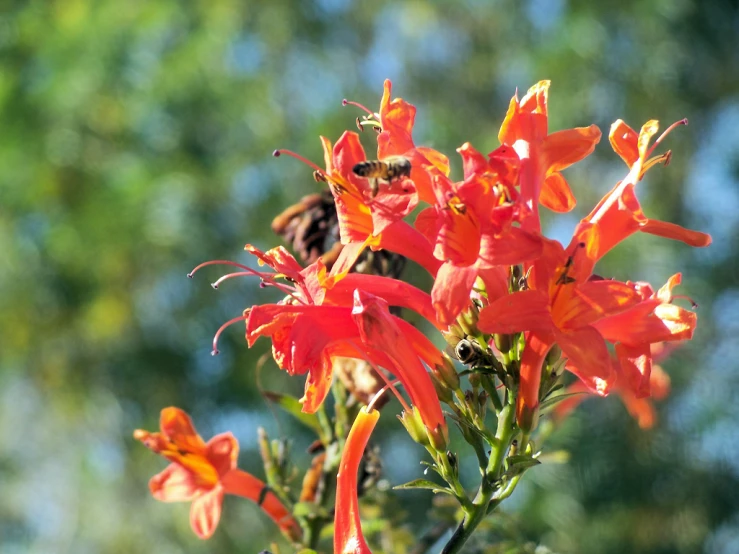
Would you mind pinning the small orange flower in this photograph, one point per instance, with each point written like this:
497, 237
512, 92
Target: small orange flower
472, 228
619, 215
203, 472
396, 121
543, 155
654, 320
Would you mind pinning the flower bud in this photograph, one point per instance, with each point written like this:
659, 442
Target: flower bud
527, 417
438, 437
453, 335
502, 343
414, 425
448, 373
554, 354
442, 391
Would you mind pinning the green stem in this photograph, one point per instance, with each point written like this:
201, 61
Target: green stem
488, 487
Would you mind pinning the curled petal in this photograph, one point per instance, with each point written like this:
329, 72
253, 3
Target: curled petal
174, 484
624, 142
205, 512
556, 194
222, 451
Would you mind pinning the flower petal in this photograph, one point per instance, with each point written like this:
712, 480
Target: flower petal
174, 484
521, 311
205, 512
556, 194
222, 451
588, 358
451, 291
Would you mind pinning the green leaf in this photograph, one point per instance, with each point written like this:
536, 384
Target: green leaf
550, 402
291, 405
424, 484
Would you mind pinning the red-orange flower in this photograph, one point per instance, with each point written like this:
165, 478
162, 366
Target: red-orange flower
654, 320
619, 215
396, 121
640, 408
367, 220
543, 155
472, 228
203, 472
348, 537
402, 345
561, 307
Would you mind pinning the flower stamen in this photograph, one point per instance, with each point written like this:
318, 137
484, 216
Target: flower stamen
222, 328
280, 151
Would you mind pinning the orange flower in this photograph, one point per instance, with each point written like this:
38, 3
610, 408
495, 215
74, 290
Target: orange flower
366, 220
314, 324
472, 228
640, 408
619, 215
561, 307
203, 472
396, 121
402, 345
654, 320
543, 155
348, 537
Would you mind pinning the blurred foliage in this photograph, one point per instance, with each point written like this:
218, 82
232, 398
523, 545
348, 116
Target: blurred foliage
136, 140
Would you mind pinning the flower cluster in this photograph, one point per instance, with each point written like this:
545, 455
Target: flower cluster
516, 307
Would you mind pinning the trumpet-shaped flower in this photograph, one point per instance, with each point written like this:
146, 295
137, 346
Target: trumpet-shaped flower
543, 155
203, 472
654, 320
472, 228
348, 537
619, 215
561, 306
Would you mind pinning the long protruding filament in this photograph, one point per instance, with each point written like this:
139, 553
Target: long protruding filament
220, 280
346, 102
667, 131
382, 375
391, 385
218, 262
222, 328
279, 152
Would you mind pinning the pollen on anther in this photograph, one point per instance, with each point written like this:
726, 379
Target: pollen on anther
215, 352
214, 285
190, 276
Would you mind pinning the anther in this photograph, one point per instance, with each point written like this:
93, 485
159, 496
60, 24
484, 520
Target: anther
214, 285
276, 153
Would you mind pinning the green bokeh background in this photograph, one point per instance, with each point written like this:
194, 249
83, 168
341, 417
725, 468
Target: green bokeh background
135, 142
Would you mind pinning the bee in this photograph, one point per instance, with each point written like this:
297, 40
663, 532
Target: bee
388, 169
